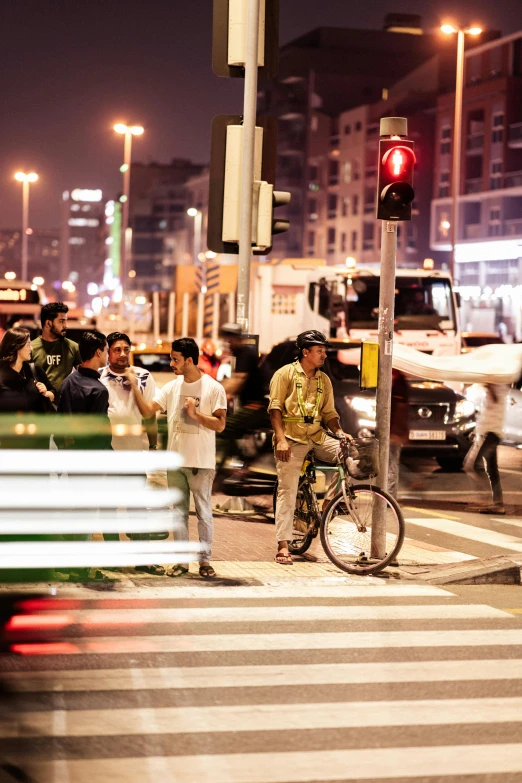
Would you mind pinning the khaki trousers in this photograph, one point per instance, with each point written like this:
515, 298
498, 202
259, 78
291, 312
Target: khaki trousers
288, 479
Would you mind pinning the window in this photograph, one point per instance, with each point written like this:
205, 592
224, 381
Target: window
494, 224
331, 240
345, 209
495, 179
354, 240
314, 173
347, 172
445, 140
347, 130
332, 205
283, 304
333, 172
355, 205
312, 209
343, 242
311, 242
368, 236
497, 128
444, 184
358, 126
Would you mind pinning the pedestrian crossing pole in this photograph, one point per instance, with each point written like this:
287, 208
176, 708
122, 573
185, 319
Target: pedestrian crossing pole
394, 197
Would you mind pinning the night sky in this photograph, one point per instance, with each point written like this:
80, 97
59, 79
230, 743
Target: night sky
69, 71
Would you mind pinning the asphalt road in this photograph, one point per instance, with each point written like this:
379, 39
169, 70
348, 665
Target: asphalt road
367, 680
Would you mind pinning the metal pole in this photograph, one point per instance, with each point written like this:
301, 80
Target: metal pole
171, 316
457, 133
155, 316
384, 382
197, 239
247, 178
127, 150
199, 322
185, 315
25, 226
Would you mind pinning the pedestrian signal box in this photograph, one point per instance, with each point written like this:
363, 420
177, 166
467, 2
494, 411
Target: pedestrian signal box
395, 186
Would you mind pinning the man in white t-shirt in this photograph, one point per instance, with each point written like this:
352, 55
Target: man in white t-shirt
196, 408
123, 411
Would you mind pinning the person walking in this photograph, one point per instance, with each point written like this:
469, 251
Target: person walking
123, 410
196, 409
482, 456
301, 407
53, 352
21, 389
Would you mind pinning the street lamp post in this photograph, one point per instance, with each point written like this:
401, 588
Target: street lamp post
128, 131
196, 246
25, 179
449, 29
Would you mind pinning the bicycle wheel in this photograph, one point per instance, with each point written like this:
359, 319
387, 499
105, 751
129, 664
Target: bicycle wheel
346, 529
306, 519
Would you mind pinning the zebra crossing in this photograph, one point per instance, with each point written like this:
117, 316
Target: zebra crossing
293, 683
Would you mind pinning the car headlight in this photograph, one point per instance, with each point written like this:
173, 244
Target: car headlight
464, 409
365, 405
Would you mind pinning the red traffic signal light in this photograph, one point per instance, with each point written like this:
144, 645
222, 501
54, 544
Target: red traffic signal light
395, 186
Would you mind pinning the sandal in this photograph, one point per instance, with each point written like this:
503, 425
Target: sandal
284, 558
177, 570
207, 572
155, 570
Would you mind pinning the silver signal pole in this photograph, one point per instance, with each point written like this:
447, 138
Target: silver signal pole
390, 126
247, 180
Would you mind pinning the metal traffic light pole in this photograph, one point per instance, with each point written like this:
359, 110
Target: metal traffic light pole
247, 174
390, 126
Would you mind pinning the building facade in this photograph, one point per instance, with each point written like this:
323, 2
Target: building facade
82, 241
489, 227
157, 206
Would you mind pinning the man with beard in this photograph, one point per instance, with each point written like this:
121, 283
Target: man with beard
52, 351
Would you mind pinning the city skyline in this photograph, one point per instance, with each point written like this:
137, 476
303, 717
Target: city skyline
68, 78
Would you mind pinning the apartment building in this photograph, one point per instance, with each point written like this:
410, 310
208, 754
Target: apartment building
489, 229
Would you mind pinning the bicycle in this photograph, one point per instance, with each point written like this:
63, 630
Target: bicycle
345, 525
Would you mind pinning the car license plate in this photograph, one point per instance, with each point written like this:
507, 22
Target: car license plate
427, 435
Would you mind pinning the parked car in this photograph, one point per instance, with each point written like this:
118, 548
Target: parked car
441, 421
471, 340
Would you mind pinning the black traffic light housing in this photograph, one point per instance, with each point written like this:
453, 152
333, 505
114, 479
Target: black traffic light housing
395, 185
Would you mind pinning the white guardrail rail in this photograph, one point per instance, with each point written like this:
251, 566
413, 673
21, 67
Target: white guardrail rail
66, 492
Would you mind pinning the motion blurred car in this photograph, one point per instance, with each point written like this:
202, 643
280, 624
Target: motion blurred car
156, 361
513, 416
441, 421
472, 340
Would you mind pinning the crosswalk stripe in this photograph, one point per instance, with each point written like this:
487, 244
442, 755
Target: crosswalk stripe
265, 717
266, 676
301, 641
362, 587
301, 767
263, 614
460, 529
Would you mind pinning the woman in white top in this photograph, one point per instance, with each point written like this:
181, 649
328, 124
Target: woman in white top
482, 457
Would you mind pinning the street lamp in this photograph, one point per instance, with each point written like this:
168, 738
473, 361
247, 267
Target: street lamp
25, 179
125, 248
449, 29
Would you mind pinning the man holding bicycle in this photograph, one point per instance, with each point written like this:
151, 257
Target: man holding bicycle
301, 408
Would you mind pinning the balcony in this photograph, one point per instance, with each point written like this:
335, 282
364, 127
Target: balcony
475, 144
473, 231
515, 136
513, 179
473, 185
512, 228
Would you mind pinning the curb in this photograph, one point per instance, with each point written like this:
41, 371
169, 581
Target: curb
500, 570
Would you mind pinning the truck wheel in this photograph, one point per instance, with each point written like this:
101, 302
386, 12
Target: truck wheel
451, 464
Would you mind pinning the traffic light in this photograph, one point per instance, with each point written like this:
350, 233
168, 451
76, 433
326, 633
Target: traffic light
268, 199
225, 186
395, 185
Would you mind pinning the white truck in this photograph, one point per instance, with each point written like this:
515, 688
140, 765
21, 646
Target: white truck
343, 302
